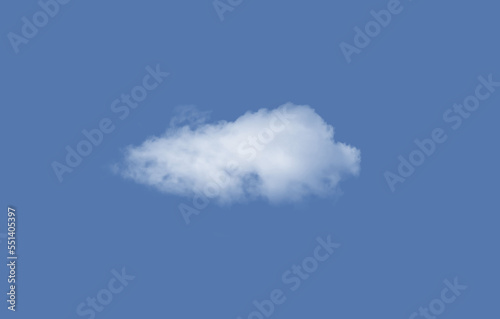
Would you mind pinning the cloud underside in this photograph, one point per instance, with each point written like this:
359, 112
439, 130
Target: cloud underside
285, 154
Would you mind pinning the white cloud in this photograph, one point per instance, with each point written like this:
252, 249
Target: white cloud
280, 155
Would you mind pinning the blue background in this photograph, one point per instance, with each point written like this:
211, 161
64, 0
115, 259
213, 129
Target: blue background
397, 248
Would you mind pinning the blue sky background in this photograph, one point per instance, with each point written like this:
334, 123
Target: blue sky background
397, 248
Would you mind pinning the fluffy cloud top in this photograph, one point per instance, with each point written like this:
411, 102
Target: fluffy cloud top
280, 155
